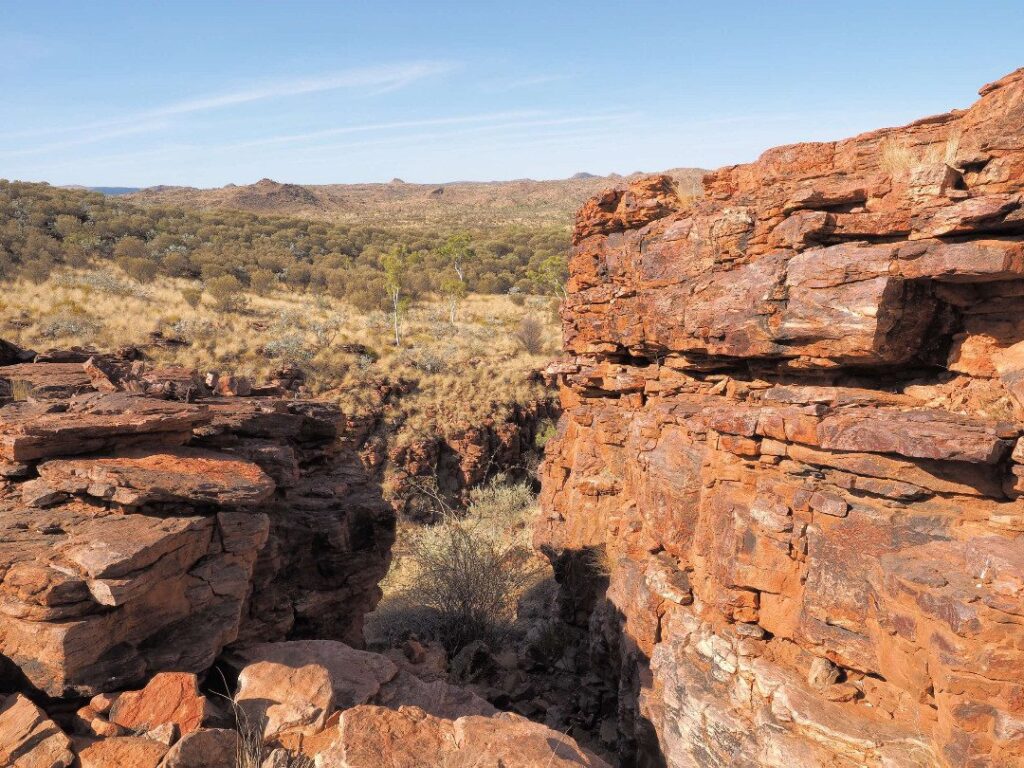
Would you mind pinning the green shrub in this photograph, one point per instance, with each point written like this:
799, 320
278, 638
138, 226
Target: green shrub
469, 572
192, 296
226, 292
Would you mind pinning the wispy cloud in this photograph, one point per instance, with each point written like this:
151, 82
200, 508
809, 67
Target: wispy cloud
367, 127
536, 128
530, 81
377, 79
383, 78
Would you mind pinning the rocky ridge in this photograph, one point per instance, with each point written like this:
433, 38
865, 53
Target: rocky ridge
143, 532
454, 204
185, 563
784, 500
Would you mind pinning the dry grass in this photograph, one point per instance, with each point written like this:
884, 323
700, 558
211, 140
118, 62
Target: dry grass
463, 372
899, 159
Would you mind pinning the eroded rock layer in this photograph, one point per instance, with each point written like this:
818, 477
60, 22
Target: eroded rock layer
141, 533
792, 449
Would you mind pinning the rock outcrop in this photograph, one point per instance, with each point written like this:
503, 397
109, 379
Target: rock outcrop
154, 524
141, 533
300, 703
447, 468
791, 458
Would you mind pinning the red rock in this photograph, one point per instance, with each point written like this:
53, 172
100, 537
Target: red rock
814, 555
93, 423
146, 557
119, 752
28, 739
183, 475
205, 748
43, 381
369, 737
170, 697
295, 687
233, 386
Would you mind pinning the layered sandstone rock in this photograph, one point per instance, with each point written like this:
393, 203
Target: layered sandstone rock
792, 451
145, 526
296, 690
29, 739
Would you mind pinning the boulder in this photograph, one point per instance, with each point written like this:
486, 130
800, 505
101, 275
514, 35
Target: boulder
29, 739
294, 687
118, 752
168, 698
141, 534
182, 475
204, 748
368, 737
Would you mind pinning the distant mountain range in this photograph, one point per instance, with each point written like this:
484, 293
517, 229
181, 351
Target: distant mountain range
456, 204
112, 191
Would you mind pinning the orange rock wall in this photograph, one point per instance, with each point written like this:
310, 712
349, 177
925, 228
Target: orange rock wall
792, 439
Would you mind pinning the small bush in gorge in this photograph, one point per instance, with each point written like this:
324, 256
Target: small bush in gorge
470, 571
545, 431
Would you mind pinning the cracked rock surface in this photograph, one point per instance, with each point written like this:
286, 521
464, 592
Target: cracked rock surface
792, 442
141, 533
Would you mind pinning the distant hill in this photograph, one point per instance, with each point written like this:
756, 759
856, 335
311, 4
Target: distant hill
396, 203
112, 191
115, 191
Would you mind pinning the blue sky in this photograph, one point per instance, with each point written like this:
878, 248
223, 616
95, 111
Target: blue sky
207, 93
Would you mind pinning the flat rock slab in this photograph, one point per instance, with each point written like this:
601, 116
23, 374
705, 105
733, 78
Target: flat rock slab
169, 698
139, 477
295, 687
44, 381
119, 752
92, 423
356, 675
369, 737
205, 748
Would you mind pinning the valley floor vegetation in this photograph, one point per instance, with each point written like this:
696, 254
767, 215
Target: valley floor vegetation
463, 579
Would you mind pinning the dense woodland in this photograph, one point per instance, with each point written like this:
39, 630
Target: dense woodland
45, 228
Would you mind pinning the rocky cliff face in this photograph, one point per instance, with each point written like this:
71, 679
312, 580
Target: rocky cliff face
791, 450
146, 523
